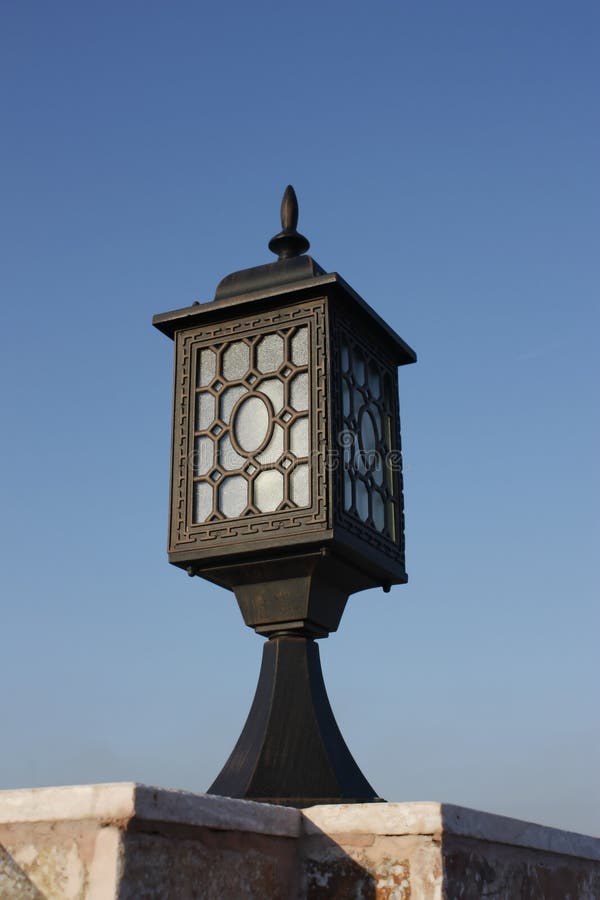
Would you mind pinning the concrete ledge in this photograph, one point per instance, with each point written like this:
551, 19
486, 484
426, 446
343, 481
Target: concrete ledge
503, 830
443, 819
130, 802
208, 811
130, 841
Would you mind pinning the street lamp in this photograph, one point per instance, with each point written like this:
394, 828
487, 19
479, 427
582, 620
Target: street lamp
286, 488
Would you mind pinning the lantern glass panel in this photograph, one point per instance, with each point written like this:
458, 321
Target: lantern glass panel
204, 454
235, 360
251, 421
249, 392
374, 381
368, 417
274, 448
233, 496
300, 347
269, 355
268, 490
299, 437
205, 410
378, 469
273, 388
362, 499
203, 501
378, 511
300, 486
358, 367
368, 435
299, 392
229, 459
391, 516
229, 398
347, 491
207, 367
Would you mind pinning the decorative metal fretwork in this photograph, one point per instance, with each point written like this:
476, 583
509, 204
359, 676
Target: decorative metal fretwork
369, 442
214, 441
252, 426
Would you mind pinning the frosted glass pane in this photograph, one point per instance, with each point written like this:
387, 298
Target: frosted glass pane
236, 360
273, 388
368, 403
374, 381
387, 391
299, 437
203, 500
362, 499
206, 367
268, 490
359, 367
361, 458
347, 397
378, 468
274, 448
388, 469
300, 347
233, 495
345, 359
204, 455
300, 486
228, 400
228, 457
378, 510
299, 392
348, 453
205, 410
251, 423
347, 490
391, 519
367, 432
376, 416
269, 355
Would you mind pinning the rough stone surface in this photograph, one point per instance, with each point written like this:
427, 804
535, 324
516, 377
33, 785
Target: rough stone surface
54, 856
208, 865
13, 880
501, 871
132, 842
395, 867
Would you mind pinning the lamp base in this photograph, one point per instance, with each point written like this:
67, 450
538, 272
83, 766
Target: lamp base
291, 750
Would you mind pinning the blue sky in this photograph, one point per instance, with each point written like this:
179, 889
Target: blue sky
446, 160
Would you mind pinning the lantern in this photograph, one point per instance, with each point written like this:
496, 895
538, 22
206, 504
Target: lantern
286, 488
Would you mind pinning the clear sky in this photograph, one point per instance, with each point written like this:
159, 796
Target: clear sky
445, 157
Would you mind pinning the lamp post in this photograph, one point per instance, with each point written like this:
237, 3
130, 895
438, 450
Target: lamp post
286, 488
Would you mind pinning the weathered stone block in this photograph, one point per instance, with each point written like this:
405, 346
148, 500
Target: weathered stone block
131, 842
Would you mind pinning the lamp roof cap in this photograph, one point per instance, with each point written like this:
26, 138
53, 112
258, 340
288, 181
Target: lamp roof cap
288, 245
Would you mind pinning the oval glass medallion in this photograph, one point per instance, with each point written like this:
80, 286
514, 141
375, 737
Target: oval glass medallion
251, 421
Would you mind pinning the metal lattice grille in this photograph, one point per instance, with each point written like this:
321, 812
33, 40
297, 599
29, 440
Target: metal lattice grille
251, 426
369, 452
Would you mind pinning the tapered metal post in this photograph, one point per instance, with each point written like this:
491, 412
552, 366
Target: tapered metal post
291, 750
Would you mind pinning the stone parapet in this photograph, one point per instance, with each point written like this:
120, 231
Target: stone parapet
133, 842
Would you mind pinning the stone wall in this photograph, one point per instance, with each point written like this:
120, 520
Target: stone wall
131, 842
432, 851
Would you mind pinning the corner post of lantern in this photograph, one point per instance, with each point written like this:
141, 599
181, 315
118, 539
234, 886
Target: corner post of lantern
286, 488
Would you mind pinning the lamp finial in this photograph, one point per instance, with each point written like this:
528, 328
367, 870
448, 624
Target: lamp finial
289, 243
